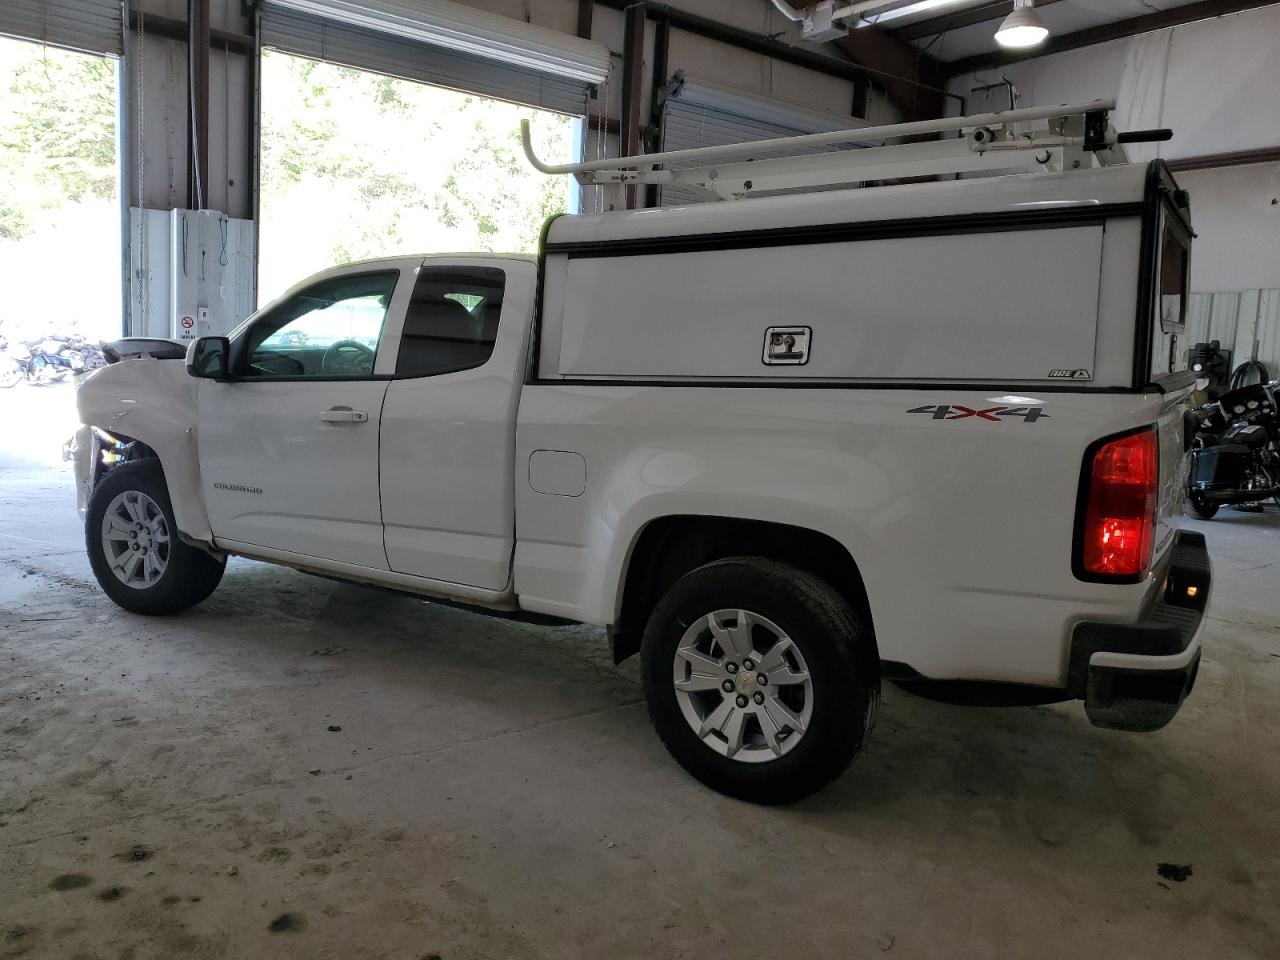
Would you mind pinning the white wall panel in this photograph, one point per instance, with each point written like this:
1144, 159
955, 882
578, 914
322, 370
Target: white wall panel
1214, 83
1236, 215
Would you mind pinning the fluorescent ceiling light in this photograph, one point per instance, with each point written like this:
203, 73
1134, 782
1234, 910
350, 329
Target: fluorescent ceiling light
1024, 27
910, 10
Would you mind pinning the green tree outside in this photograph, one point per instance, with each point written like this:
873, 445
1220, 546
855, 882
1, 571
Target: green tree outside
358, 165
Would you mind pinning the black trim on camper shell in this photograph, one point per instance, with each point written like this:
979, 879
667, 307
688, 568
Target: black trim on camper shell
952, 224
1161, 192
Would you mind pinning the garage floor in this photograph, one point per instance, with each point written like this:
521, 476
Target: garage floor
300, 768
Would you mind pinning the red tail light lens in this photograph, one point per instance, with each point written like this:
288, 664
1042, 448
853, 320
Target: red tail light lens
1120, 515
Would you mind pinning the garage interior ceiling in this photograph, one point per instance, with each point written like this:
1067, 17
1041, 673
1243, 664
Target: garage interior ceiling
961, 34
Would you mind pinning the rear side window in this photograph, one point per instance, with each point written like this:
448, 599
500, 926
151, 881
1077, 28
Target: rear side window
452, 320
1175, 271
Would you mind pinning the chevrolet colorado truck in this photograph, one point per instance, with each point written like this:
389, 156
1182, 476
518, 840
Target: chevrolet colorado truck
783, 448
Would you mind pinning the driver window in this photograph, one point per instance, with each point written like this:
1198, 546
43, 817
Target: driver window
330, 329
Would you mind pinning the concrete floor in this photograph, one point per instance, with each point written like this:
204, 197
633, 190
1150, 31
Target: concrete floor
180, 788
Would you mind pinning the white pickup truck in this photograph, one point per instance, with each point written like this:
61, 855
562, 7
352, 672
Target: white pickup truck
782, 447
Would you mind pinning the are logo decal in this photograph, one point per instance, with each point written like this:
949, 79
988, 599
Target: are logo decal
1078, 374
956, 411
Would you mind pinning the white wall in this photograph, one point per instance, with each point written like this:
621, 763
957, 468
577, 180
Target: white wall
1236, 214
1216, 83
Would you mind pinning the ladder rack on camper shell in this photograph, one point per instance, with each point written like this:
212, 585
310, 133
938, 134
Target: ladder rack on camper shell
987, 142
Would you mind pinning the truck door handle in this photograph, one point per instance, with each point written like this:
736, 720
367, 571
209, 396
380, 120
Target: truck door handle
344, 415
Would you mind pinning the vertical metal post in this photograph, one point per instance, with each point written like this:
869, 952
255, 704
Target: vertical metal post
661, 51
124, 182
632, 80
586, 14
254, 57
198, 104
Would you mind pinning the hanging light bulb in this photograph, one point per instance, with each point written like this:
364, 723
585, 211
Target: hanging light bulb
1024, 27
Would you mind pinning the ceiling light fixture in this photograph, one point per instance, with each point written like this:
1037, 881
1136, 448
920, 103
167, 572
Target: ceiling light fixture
1024, 27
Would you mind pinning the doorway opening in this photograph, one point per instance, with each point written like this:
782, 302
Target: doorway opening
357, 164
59, 193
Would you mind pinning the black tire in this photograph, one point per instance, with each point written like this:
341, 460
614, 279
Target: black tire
1204, 509
190, 574
837, 646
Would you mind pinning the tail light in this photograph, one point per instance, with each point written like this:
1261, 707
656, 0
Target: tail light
1119, 498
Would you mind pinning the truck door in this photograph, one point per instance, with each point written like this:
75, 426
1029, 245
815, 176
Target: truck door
448, 424
289, 448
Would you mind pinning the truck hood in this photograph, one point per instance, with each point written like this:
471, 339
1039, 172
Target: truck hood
134, 347
143, 398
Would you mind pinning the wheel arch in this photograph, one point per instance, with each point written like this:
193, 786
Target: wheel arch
667, 547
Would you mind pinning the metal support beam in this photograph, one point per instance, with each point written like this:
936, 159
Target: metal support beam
1215, 161
177, 30
765, 46
911, 78
586, 14
632, 80
658, 77
198, 40
1173, 17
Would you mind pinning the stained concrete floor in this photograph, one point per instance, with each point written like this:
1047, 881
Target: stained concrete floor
300, 768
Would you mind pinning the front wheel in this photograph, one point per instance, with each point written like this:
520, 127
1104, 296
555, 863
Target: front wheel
10, 374
760, 678
1202, 508
134, 548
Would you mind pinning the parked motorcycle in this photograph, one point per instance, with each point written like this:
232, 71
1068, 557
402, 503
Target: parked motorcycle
50, 359
1236, 458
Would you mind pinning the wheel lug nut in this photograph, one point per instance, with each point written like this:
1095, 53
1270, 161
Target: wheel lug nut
759, 697
748, 665
762, 679
731, 667
742, 701
728, 686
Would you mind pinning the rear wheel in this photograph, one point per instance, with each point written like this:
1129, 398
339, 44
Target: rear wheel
760, 679
1202, 508
134, 548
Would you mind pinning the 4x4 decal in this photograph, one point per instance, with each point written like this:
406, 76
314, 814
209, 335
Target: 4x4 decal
956, 411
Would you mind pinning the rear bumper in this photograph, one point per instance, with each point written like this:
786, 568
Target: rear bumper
1134, 676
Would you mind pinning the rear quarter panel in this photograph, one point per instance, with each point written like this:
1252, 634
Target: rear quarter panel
962, 526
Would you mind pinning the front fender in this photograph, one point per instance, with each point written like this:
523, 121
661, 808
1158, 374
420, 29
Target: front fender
153, 401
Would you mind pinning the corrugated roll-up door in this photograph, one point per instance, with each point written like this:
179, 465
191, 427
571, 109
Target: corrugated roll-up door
444, 44
93, 26
699, 114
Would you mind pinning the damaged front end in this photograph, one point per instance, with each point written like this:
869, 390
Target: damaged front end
142, 405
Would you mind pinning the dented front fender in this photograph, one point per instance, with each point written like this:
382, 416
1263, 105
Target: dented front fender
153, 401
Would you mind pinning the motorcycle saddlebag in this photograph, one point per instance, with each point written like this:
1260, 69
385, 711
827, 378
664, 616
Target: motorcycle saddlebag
1221, 467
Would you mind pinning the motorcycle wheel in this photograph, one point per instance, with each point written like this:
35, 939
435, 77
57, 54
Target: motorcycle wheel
1204, 509
10, 377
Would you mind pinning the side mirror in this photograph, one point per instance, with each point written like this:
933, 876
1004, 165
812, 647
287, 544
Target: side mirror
209, 358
